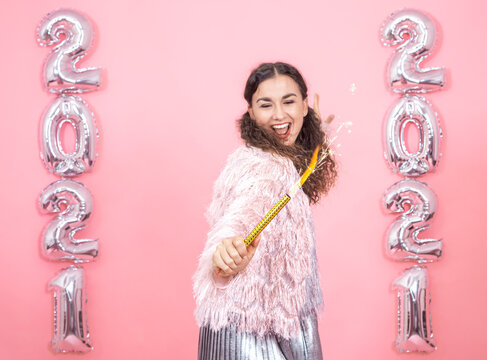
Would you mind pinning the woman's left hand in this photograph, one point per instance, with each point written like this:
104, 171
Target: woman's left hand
316, 108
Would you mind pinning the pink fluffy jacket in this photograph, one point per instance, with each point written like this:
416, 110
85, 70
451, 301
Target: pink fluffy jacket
280, 284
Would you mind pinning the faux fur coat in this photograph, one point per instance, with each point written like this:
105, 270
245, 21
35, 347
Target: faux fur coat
280, 284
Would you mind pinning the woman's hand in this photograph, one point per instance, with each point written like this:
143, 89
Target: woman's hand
316, 108
232, 256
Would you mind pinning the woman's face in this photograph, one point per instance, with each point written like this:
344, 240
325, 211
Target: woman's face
278, 108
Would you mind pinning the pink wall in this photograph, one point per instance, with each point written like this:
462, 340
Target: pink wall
175, 77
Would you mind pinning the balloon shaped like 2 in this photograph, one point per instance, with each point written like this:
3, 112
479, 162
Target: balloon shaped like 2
72, 33
416, 32
72, 110
58, 242
418, 111
415, 331
71, 332
402, 241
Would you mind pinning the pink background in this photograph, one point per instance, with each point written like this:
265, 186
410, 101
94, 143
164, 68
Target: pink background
175, 73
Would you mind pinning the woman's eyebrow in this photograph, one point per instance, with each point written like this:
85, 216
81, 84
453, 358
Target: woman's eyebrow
289, 95
269, 99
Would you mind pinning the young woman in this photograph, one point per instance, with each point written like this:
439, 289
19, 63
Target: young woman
260, 302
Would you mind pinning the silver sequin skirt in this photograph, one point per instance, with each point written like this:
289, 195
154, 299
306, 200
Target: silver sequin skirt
229, 344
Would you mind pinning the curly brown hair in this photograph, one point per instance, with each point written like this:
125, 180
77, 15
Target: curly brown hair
311, 134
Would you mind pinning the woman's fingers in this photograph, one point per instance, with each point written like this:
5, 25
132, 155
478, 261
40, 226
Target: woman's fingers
316, 105
237, 250
228, 255
255, 242
220, 264
239, 245
329, 119
227, 259
232, 256
316, 108
252, 248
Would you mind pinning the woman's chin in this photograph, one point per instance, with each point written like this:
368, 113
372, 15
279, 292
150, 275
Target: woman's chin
287, 141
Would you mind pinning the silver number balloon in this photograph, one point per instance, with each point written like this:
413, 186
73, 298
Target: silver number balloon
58, 242
415, 331
60, 73
402, 242
405, 74
71, 332
418, 111
72, 110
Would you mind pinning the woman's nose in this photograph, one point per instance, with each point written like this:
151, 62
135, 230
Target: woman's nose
278, 112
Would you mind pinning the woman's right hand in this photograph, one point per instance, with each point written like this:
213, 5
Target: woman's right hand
232, 256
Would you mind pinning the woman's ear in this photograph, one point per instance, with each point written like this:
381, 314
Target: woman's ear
305, 104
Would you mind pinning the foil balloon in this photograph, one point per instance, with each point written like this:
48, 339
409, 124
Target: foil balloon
71, 332
417, 203
73, 202
416, 33
419, 112
72, 35
415, 333
72, 110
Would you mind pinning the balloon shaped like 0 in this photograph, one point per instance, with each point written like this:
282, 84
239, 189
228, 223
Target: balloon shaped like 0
418, 111
73, 110
402, 241
71, 332
416, 32
58, 242
415, 333
73, 34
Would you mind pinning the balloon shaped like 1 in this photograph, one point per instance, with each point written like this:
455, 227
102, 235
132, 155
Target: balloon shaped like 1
71, 332
72, 110
58, 242
416, 32
402, 241
72, 34
415, 331
419, 112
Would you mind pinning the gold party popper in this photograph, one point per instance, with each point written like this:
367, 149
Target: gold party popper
283, 201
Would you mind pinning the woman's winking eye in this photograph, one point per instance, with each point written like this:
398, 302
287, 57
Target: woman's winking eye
286, 102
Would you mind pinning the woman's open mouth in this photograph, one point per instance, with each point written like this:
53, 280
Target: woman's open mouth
282, 130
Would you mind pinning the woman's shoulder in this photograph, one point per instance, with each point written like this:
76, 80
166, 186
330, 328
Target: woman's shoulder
252, 162
255, 157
